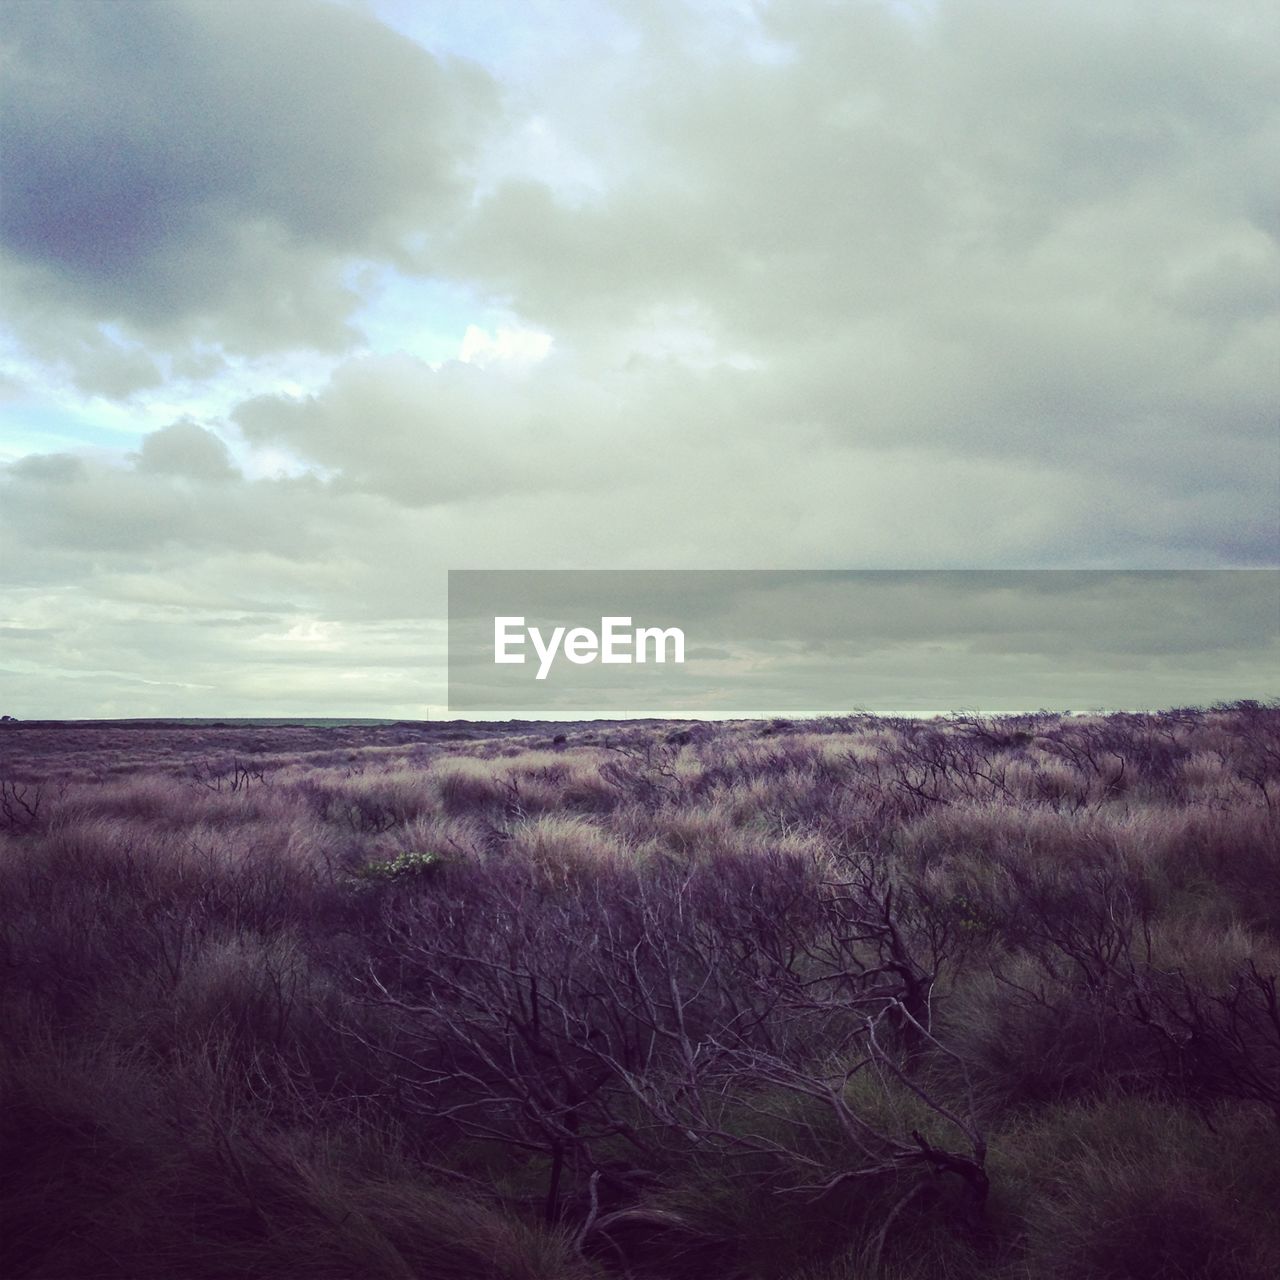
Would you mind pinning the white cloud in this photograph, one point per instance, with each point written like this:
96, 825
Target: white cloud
521, 347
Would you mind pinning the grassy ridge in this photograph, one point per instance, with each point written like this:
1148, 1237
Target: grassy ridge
812, 1001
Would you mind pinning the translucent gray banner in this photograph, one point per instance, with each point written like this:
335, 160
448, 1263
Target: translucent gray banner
715, 643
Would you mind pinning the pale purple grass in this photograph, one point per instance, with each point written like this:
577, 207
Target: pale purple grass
807, 1001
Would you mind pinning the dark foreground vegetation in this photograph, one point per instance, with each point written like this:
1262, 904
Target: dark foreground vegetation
849, 998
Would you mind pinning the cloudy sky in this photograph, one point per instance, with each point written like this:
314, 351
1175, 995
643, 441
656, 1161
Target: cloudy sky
307, 302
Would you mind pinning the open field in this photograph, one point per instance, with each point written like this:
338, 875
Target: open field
815, 1001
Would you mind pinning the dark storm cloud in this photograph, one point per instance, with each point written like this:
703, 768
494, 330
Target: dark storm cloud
182, 168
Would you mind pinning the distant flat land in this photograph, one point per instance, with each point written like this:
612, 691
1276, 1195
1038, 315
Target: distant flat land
43, 748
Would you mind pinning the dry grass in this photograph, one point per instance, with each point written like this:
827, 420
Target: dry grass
654, 1001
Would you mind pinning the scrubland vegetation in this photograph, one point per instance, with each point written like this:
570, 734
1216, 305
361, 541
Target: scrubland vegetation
820, 1001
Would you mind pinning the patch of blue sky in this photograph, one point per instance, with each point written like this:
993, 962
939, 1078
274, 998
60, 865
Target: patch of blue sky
31, 427
418, 316
58, 419
515, 42
511, 41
